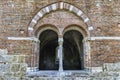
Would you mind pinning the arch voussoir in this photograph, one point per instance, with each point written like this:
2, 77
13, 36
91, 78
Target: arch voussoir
59, 6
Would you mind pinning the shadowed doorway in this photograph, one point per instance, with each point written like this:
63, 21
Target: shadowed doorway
73, 51
48, 44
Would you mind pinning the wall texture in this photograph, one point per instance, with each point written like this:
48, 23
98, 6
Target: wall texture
16, 15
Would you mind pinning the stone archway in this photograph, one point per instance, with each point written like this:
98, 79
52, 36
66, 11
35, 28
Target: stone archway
73, 51
55, 7
48, 44
67, 7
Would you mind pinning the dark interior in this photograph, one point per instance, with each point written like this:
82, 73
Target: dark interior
73, 51
48, 44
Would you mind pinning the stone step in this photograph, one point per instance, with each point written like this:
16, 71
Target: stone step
56, 78
71, 78
58, 73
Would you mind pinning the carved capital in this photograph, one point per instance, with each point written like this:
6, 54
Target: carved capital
60, 41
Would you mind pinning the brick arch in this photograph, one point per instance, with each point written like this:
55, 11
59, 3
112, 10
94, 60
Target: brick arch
78, 28
46, 27
55, 7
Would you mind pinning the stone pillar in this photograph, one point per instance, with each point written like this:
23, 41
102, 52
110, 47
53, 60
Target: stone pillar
35, 53
60, 50
87, 55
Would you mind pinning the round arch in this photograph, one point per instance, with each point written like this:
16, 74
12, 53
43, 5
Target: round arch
46, 27
47, 50
73, 50
83, 31
58, 6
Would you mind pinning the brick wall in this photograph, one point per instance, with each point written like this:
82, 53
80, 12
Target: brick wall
105, 51
15, 16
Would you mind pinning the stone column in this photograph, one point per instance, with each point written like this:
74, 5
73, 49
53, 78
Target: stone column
60, 50
35, 53
87, 55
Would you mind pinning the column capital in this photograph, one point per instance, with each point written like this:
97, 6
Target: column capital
34, 39
60, 41
86, 39
60, 36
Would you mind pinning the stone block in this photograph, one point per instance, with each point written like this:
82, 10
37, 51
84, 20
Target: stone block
21, 59
82, 78
1, 58
5, 67
112, 67
96, 69
25, 78
117, 78
11, 58
68, 78
15, 67
8, 75
3, 51
1, 78
23, 67
47, 78
11, 78
19, 74
1, 73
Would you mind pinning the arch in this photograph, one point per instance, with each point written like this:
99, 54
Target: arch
48, 45
59, 6
73, 50
46, 27
78, 28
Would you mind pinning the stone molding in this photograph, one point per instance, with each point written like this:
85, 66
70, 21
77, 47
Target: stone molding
87, 38
59, 6
24, 38
104, 38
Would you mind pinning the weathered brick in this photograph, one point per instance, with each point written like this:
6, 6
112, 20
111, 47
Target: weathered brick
16, 15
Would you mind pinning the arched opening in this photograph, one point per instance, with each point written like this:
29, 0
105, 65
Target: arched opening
48, 44
73, 51
72, 47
